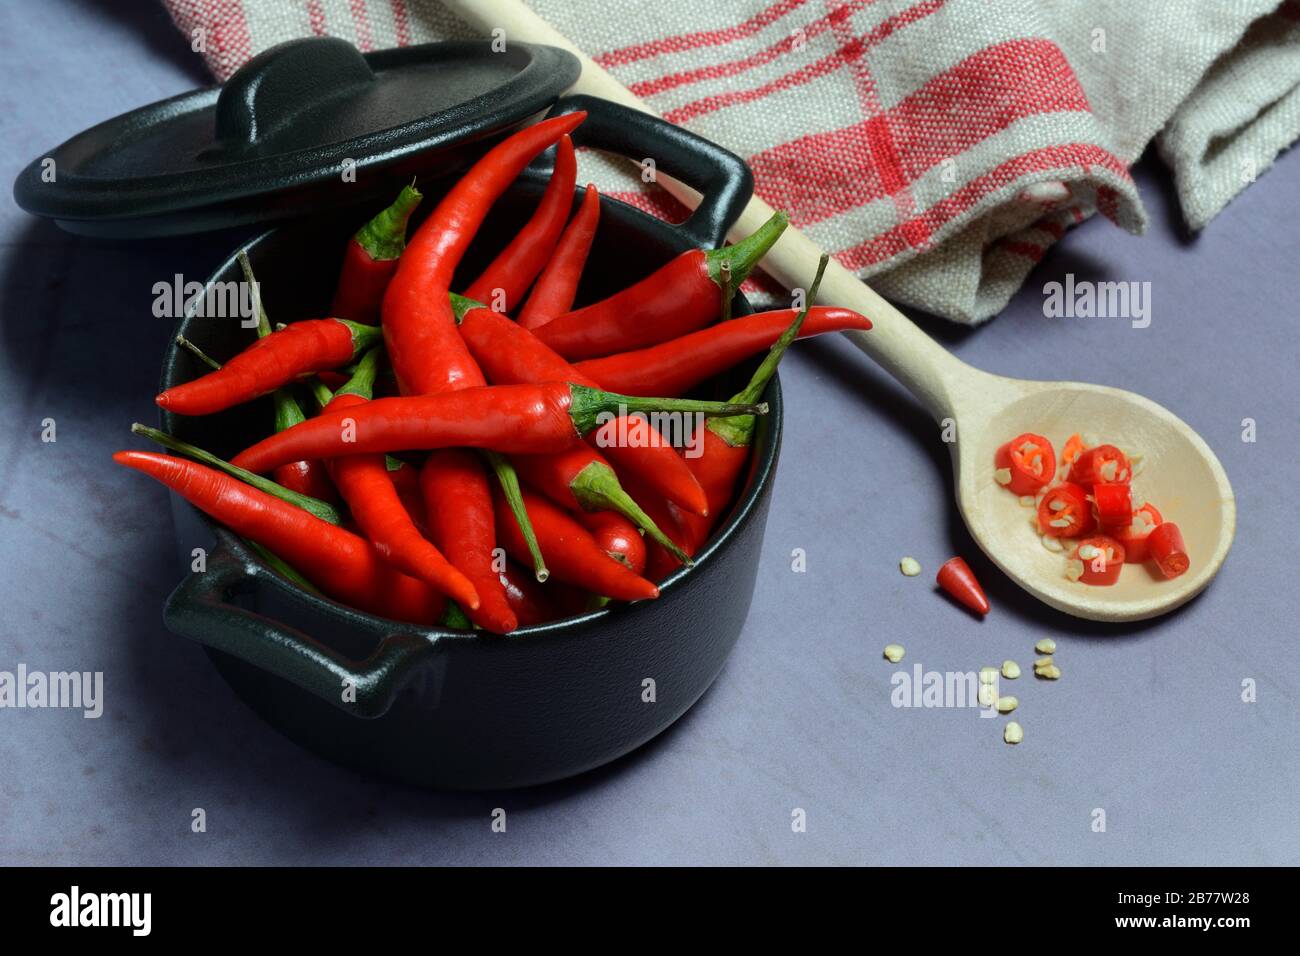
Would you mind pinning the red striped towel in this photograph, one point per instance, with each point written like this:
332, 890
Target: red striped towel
936, 146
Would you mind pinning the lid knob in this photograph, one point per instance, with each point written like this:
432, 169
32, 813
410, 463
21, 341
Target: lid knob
276, 87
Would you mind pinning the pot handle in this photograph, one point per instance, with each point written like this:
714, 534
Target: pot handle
721, 177
200, 610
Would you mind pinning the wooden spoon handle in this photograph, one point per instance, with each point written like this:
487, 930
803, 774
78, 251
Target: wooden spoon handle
907, 353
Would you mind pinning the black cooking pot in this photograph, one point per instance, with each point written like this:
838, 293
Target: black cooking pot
452, 709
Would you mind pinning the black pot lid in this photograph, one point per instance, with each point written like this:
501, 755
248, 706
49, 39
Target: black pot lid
307, 124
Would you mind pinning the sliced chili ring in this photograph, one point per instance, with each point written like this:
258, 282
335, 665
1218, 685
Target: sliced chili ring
1064, 511
1074, 447
1103, 465
1114, 505
1027, 462
1166, 547
1101, 558
1135, 534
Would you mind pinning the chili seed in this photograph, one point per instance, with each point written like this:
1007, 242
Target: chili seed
1010, 670
894, 653
1007, 704
1002, 476
987, 695
1013, 733
1074, 569
988, 675
910, 567
1045, 646
1050, 672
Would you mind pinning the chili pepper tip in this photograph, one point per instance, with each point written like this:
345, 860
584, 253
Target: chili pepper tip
957, 578
314, 506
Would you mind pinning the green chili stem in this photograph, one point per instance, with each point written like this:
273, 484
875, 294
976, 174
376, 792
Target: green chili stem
455, 617
597, 487
263, 323
590, 407
741, 257
197, 352
384, 237
461, 304
364, 337
728, 291
287, 410
505, 473
362, 381
738, 432
314, 506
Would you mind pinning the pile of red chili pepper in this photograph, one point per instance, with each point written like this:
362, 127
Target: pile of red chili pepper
1087, 510
510, 475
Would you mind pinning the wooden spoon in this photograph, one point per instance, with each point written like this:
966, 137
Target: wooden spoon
1181, 475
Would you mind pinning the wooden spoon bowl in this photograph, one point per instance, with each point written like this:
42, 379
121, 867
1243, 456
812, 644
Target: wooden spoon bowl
1179, 474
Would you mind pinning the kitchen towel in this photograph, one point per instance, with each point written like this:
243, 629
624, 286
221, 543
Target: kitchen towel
936, 147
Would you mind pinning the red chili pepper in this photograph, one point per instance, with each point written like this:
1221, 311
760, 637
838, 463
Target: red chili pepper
371, 259
1065, 511
718, 468
1104, 464
505, 281
1030, 462
959, 581
458, 500
426, 353
406, 479
304, 477
1135, 535
1102, 558
617, 536
672, 368
510, 355
530, 602
571, 552
514, 419
321, 509
558, 284
581, 480
377, 509
341, 564
270, 362
307, 478
677, 299
379, 512
633, 444
1166, 547
661, 561
1114, 505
